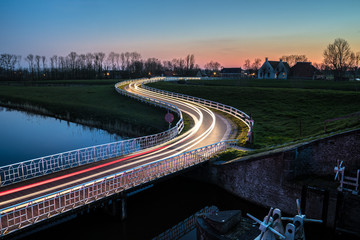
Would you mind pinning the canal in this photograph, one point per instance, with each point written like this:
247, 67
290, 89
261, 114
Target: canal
25, 136
150, 212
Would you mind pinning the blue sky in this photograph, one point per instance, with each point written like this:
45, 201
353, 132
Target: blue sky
226, 31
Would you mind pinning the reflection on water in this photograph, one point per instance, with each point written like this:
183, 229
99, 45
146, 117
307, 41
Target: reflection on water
25, 136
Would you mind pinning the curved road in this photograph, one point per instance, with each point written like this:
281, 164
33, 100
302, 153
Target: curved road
208, 128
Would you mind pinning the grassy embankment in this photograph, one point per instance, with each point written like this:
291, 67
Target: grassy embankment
91, 102
283, 110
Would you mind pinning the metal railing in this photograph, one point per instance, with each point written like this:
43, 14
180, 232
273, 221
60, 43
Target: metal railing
21, 171
216, 105
36, 210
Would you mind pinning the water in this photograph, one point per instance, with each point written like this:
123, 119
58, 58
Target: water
151, 212
25, 136
155, 210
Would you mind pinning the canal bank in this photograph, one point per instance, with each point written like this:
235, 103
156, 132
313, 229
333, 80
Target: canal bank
113, 126
305, 171
91, 103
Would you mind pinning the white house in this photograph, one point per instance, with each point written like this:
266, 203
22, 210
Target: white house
274, 70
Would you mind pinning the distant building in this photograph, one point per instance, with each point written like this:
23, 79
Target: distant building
274, 70
305, 70
231, 72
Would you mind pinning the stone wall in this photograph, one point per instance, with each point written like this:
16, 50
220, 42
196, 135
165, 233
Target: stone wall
272, 178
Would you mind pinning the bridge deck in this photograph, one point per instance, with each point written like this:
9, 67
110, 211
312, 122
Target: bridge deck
204, 132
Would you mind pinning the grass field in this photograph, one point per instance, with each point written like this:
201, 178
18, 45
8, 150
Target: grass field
92, 101
283, 110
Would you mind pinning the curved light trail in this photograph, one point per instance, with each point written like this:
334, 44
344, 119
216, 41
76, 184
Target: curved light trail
208, 128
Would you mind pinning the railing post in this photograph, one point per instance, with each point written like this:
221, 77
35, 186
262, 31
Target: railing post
78, 156
61, 162
43, 167
22, 171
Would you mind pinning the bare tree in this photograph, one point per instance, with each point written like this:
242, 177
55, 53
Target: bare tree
179, 65
123, 61
72, 63
54, 66
293, 59
256, 65
190, 61
62, 66
43, 61
167, 65
247, 64
135, 57
30, 59
127, 61
37, 63
98, 61
89, 58
89, 62
8, 63
339, 57
113, 61
213, 66
152, 66
81, 66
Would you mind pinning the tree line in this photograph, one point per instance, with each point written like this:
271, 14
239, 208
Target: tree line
96, 65
339, 60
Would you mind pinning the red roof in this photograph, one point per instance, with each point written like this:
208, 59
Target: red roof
304, 69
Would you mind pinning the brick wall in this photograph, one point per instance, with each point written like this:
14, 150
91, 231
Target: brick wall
268, 178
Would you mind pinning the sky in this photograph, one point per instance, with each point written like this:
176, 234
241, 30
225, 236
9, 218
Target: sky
227, 31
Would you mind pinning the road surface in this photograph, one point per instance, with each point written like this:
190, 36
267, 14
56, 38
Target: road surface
208, 128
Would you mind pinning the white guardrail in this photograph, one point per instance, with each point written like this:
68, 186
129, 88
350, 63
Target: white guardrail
21, 171
36, 210
216, 105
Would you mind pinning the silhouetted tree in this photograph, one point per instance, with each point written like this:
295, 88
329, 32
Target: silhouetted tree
293, 59
256, 65
247, 64
98, 61
37, 64
212, 66
7, 65
30, 59
152, 66
339, 57
190, 62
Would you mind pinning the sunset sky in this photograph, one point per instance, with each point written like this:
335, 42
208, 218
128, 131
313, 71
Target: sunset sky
227, 31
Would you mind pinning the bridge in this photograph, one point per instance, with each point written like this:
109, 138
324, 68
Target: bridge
40, 189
